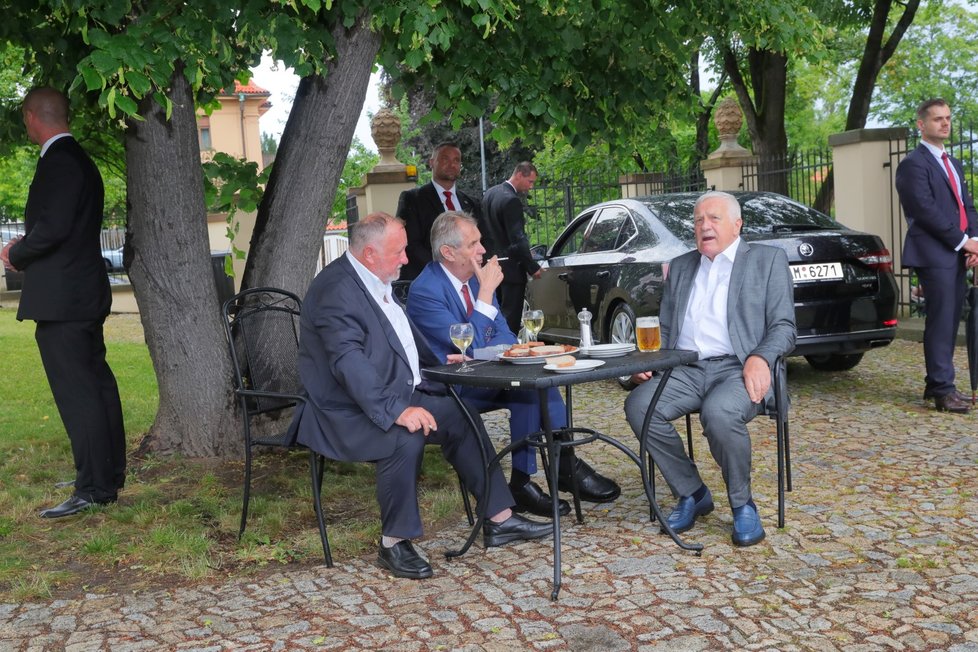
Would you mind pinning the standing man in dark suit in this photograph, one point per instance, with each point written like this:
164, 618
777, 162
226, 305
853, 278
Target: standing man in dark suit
66, 292
360, 361
733, 303
420, 206
443, 295
502, 212
940, 217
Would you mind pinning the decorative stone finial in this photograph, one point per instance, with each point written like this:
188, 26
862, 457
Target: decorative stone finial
728, 119
385, 129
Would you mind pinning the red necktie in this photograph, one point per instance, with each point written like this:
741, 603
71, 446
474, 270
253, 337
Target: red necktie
449, 204
962, 217
469, 308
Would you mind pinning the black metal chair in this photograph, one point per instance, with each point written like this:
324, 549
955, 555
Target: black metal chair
262, 329
777, 409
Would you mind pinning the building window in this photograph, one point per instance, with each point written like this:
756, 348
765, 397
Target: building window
205, 139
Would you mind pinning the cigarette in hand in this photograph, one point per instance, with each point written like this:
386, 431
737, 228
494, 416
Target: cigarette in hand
502, 259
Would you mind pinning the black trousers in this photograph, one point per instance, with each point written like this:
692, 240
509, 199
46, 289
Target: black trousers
397, 475
87, 396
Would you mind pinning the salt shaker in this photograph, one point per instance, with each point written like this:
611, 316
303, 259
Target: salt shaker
585, 318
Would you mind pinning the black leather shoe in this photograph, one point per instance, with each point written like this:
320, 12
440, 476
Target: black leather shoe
402, 560
928, 394
531, 498
951, 403
593, 487
73, 505
515, 528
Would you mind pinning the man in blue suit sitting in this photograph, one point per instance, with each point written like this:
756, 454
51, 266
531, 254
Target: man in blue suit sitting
456, 287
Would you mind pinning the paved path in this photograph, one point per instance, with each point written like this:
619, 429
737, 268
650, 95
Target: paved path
879, 553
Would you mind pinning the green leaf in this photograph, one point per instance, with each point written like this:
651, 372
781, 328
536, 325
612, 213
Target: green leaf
93, 80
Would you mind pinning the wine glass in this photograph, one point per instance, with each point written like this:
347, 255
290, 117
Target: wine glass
533, 323
462, 335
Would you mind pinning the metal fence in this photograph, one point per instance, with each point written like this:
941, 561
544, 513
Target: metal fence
798, 174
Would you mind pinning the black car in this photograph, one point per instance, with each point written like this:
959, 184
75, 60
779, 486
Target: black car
613, 257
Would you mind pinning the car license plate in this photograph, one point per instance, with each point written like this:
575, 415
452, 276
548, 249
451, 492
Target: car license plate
816, 272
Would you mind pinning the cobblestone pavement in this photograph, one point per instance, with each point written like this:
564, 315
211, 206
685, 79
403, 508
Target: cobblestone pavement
879, 553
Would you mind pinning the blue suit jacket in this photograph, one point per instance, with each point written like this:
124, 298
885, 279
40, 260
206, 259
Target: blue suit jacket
760, 301
434, 305
931, 210
353, 369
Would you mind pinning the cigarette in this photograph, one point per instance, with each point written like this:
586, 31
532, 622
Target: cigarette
502, 259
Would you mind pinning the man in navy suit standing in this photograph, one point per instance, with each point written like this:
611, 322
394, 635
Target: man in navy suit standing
455, 288
941, 229
360, 361
502, 212
419, 207
66, 292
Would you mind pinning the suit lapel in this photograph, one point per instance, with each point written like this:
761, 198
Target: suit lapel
737, 275
385, 323
684, 286
449, 289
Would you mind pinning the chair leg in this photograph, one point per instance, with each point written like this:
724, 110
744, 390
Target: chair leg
317, 465
689, 437
787, 457
466, 501
246, 497
652, 483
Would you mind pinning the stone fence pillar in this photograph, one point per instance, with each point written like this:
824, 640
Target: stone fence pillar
383, 185
723, 168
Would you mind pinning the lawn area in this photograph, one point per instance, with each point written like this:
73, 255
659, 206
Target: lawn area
177, 519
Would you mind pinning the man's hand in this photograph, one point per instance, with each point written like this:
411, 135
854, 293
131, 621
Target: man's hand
417, 418
970, 246
641, 377
537, 274
971, 260
455, 358
5, 253
489, 276
757, 378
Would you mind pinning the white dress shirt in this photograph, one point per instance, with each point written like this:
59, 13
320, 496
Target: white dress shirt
381, 293
705, 321
47, 143
441, 196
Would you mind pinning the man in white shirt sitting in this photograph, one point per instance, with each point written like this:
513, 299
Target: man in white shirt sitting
732, 302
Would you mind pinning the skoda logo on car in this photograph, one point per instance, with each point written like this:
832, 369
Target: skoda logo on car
806, 249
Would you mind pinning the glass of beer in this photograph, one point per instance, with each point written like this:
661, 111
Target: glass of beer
647, 334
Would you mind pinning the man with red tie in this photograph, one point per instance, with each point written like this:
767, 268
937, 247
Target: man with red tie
419, 207
460, 286
942, 239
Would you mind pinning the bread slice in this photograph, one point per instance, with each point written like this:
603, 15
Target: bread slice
548, 349
563, 361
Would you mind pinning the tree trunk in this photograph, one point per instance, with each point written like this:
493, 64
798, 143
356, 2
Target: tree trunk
315, 143
763, 107
170, 256
875, 55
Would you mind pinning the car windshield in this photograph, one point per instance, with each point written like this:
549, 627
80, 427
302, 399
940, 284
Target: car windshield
762, 214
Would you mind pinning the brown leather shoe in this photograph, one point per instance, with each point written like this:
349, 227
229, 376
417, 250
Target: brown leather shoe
960, 396
951, 403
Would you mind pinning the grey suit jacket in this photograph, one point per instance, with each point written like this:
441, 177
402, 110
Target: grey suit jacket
353, 369
760, 301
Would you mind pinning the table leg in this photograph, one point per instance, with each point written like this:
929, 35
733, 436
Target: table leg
553, 450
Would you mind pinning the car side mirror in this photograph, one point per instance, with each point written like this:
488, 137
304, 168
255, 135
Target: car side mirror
538, 252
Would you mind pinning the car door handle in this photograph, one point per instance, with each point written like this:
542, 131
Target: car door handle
603, 274
563, 276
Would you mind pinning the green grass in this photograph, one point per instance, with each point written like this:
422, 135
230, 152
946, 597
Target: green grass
177, 519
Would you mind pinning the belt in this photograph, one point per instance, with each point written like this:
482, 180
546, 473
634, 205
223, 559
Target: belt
717, 358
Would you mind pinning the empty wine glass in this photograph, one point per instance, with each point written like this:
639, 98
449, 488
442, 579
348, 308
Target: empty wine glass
533, 323
462, 335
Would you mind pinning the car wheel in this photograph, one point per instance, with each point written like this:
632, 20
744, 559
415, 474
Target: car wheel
834, 361
621, 329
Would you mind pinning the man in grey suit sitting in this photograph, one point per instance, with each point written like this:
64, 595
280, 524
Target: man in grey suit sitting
360, 361
732, 302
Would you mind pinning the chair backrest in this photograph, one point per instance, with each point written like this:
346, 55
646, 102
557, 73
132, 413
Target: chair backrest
262, 329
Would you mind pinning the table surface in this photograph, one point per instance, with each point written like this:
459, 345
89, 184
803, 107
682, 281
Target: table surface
533, 376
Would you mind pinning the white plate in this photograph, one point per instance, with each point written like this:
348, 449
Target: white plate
580, 365
608, 350
535, 359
